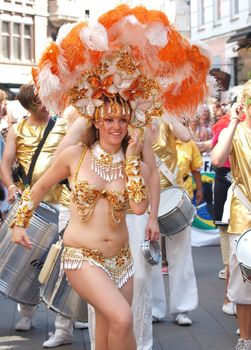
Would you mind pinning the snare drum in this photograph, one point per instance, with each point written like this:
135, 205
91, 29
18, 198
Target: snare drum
151, 252
20, 267
243, 254
176, 211
60, 297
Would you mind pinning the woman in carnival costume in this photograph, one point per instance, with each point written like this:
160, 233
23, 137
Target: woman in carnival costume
133, 65
105, 182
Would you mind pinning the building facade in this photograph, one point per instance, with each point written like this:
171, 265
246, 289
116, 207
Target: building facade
225, 26
23, 26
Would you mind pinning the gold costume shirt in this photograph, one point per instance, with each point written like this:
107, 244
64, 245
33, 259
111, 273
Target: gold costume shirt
27, 139
165, 148
240, 158
189, 159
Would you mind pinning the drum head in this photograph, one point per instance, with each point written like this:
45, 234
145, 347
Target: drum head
243, 248
169, 199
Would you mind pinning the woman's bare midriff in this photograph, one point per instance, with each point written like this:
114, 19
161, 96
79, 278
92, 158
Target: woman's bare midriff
97, 232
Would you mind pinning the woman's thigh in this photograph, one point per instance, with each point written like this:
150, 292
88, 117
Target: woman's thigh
95, 286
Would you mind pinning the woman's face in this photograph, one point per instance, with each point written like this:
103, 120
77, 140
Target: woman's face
112, 129
204, 118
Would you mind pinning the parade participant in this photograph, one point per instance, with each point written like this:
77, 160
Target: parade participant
235, 142
22, 141
3, 114
133, 52
3, 191
105, 181
222, 182
140, 228
183, 287
189, 164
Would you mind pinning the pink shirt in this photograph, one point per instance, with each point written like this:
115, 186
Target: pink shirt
214, 142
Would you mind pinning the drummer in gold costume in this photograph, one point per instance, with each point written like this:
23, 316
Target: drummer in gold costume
235, 141
22, 141
183, 286
189, 164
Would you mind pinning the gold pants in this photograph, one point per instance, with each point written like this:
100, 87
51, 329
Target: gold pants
119, 267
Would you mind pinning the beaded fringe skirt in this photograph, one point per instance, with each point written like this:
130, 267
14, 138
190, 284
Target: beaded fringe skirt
119, 267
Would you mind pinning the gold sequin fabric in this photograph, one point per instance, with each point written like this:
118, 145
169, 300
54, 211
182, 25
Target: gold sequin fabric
135, 183
240, 158
86, 195
119, 267
25, 210
165, 148
27, 138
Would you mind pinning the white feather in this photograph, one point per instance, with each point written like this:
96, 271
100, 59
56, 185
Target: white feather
176, 78
48, 82
94, 37
63, 67
132, 20
157, 34
213, 88
64, 30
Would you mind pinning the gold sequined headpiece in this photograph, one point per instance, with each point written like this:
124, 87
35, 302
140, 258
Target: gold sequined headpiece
117, 80
114, 107
133, 52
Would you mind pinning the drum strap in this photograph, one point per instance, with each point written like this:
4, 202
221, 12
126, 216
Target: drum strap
165, 170
27, 178
242, 197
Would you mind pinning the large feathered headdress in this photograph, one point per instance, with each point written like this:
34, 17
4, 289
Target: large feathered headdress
132, 52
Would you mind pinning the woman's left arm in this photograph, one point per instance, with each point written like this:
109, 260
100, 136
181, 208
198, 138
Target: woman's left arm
138, 188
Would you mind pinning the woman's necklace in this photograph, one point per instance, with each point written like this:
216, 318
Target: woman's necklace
107, 166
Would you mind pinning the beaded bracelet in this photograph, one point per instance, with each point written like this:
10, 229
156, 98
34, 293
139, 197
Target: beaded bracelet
135, 183
25, 210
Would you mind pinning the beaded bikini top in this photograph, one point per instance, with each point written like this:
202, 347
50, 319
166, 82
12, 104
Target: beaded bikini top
86, 195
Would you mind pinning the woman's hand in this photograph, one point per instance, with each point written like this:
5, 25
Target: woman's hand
135, 144
12, 192
20, 236
199, 196
152, 230
236, 112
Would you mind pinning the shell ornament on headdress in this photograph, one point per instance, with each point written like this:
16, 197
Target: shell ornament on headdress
131, 52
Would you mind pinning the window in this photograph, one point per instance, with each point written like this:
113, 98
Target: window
16, 41
27, 42
201, 13
217, 11
234, 7
6, 40
217, 62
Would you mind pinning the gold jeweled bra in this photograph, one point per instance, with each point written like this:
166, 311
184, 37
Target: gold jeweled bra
86, 195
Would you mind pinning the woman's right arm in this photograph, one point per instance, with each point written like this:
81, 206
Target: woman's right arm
31, 198
223, 148
9, 157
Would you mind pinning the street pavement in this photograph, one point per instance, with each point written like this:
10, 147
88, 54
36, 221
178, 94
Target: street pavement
211, 329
